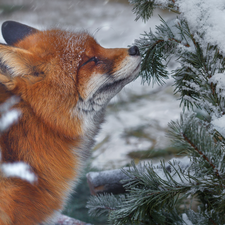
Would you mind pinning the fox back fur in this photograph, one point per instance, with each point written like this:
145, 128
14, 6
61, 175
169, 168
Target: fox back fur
64, 81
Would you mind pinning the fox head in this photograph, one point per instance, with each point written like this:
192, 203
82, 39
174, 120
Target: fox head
60, 71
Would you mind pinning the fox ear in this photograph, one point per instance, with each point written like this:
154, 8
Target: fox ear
13, 31
14, 62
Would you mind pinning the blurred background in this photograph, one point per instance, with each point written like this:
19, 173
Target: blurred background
137, 118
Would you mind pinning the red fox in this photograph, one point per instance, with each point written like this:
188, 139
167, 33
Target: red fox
64, 81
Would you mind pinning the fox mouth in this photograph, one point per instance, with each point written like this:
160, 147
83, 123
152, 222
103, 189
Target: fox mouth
108, 90
137, 68
119, 83
111, 86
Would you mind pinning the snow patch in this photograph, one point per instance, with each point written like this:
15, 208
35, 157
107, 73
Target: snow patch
20, 170
205, 17
186, 220
219, 80
8, 119
173, 165
8, 115
219, 125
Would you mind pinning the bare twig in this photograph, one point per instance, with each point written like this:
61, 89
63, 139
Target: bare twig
106, 182
111, 181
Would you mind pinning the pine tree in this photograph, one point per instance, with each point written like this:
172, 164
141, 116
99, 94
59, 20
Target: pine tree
155, 193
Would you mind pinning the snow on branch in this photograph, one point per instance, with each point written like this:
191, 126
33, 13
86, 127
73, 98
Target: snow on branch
147, 187
112, 181
205, 17
106, 182
144, 9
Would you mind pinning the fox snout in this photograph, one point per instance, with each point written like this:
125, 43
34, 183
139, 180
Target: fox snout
102, 86
134, 51
111, 70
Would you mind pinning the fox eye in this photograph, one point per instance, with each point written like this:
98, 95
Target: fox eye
93, 59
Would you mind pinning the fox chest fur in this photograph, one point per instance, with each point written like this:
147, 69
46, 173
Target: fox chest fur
64, 81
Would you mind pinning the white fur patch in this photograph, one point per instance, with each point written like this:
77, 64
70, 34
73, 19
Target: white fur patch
128, 67
98, 96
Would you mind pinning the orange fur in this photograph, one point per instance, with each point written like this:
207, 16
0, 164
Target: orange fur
57, 85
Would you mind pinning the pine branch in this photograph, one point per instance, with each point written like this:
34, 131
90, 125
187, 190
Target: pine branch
208, 162
99, 205
191, 133
202, 154
147, 193
192, 80
112, 181
104, 204
201, 218
156, 50
144, 9
156, 190
171, 40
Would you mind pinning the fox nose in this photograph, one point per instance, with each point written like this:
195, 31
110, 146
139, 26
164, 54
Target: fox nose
133, 51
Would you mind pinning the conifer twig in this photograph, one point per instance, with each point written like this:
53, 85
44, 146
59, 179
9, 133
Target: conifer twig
211, 220
201, 153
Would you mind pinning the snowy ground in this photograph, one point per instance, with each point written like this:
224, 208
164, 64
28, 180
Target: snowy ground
137, 107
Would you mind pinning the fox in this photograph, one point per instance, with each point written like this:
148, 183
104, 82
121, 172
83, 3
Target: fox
64, 81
